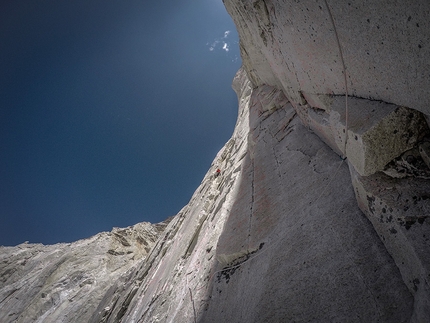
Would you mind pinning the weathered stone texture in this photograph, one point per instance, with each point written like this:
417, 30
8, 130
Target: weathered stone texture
174, 279
399, 209
375, 119
319, 259
370, 136
288, 232
292, 45
424, 150
260, 244
65, 282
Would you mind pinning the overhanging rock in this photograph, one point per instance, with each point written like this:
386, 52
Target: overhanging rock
370, 148
293, 45
377, 131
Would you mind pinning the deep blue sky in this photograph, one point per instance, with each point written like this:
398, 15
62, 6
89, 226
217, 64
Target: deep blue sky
111, 112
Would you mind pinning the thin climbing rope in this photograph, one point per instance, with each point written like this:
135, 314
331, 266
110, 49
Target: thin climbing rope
344, 75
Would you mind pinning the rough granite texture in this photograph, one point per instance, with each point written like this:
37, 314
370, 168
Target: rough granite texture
321, 211
65, 282
292, 45
260, 244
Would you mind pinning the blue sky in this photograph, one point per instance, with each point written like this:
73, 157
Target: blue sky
111, 111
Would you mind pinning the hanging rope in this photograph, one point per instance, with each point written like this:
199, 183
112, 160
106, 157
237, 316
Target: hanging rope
344, 75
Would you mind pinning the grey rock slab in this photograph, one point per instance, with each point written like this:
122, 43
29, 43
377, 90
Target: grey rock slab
295, 46
292, 45
172, 283
298, 253
369, 149
65, 282
410, 164
369, 133
399, 209
276, 237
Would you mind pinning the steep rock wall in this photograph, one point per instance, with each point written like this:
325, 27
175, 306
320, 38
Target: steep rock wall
277, 237
320, 213
360, 90
172, 285
292, 45
357, 73
65, 282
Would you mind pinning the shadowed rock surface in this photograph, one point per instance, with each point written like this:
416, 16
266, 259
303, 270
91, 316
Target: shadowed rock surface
321, 210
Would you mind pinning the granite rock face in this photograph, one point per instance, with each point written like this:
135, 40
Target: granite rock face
65, 282
277, 237
357, 74
321, 210
294, 46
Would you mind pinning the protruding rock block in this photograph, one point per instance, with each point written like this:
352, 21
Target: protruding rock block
374, 143
378, 132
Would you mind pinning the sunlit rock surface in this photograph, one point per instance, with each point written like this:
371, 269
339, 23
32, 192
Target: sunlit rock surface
65, 282
321, 210
292, 45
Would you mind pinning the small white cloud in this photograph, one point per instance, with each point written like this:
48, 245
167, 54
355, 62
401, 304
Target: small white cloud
220, 43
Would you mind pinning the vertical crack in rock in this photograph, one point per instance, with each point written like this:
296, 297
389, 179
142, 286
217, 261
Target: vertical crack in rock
251, 208
277, 164
327, 243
